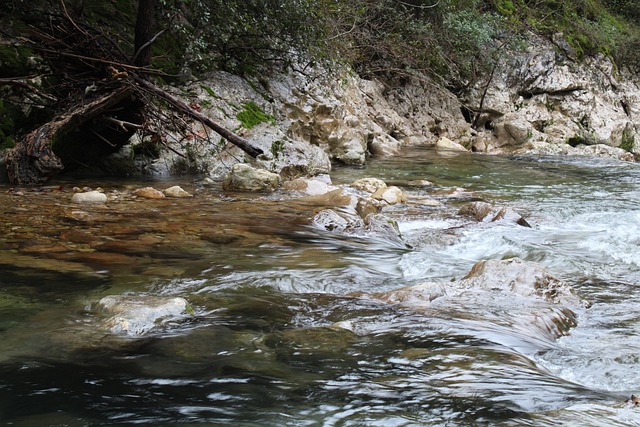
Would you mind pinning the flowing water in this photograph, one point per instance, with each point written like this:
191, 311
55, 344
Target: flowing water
281, 334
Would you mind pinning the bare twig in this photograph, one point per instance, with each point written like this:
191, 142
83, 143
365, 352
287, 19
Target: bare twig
102, 138
64, 9
15, 82
123, 125
146, 45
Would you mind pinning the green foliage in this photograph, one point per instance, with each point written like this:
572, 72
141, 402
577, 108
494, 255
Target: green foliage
589, 26
252, 115
277, 147
628, 140
240, 35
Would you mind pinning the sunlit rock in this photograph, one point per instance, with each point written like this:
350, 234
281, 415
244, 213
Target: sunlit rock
370, 185
89, 197
311, 187
243, 177
138, 314
392, 195
148, 193
446, 144
177, 192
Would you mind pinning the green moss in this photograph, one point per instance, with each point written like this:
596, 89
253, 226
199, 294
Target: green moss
210, 91
252, 115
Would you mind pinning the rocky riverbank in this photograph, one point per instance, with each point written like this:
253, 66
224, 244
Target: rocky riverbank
541, 100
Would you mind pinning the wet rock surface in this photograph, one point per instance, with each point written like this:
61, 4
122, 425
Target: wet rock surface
136, 315
492, 289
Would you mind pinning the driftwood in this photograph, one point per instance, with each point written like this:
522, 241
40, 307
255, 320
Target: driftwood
236, 140
32, 160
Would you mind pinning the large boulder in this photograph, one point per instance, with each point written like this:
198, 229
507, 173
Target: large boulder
519, 295
243, 177
516, 276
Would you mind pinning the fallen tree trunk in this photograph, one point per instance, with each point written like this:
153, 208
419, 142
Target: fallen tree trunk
33, 161
236, 140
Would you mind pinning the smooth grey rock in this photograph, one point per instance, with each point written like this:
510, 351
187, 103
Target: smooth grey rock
89, 197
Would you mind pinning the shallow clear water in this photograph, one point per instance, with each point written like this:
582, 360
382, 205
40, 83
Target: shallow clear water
281, 333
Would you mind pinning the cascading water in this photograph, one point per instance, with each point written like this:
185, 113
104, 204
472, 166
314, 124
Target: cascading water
297, 326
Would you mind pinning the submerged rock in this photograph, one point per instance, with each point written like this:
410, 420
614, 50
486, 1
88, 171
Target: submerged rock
138, 314
311, 187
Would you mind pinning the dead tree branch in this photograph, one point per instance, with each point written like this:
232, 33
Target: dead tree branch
236, 140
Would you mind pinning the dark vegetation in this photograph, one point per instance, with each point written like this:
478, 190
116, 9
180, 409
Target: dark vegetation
56, 56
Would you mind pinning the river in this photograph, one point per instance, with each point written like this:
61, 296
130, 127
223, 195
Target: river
267, 289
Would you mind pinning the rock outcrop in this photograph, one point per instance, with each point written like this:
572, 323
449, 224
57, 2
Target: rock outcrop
539, 101
545, 101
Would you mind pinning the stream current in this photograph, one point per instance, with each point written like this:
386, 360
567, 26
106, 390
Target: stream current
267, 290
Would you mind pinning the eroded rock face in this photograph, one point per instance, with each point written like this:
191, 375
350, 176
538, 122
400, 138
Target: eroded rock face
543, 97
